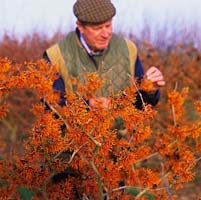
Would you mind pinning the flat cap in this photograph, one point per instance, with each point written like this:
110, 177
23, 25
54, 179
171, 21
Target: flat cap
94, 11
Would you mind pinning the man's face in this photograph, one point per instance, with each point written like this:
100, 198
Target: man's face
98, 36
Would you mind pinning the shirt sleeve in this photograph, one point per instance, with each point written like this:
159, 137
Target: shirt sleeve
150, 98
139, 70
58, 85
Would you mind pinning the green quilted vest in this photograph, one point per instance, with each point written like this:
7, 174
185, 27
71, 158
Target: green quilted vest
116, 64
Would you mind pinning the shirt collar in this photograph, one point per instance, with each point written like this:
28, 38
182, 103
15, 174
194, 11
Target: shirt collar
82, 40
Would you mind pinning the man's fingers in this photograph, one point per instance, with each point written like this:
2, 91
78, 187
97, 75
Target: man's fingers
155, 78
160, 83
152, 70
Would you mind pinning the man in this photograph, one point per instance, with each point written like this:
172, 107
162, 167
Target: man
93, 47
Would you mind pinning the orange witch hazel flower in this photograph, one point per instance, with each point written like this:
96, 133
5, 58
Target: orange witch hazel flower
198, 106
3, 111
147, 85
176, 99
147, 177
89, 85
5, 64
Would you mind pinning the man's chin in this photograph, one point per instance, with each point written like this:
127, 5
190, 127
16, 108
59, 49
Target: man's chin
102, 47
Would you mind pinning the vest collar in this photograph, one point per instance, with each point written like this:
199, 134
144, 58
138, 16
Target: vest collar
84, 44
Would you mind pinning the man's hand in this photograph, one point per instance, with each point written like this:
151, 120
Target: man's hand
154, 74
100, 102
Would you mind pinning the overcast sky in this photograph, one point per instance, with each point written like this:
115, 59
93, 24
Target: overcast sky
20, 17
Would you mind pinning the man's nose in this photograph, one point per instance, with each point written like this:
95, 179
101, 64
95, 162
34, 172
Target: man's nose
105, 32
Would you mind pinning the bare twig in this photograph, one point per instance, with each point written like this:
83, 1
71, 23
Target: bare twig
75, 152
149, 156
98, 144
85, 102
165, 183
58, 114
173, 108
138, 91
98, 178
198, 159
174, 115
58, 154
84, 197
126, 187
45, 185
141, 193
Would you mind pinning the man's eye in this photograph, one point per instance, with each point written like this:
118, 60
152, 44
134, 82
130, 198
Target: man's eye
98, 27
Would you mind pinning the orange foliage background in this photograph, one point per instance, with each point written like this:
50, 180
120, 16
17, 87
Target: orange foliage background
159, 154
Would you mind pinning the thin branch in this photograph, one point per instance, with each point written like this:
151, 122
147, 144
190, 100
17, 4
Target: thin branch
139, 93
45, 185
98, 144
195, 162
149, 156
141, 193
165, 182
143, 190
98, 178
146, 189
58, 114
75, 152
72, 156
106, 193
127, 187
173, 108
174, 115
58, 154
84, 101
198, 159
85, 197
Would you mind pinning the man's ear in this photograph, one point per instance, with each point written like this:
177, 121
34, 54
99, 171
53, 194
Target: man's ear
79, 26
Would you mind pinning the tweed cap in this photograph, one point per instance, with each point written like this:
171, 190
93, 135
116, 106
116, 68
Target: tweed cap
94, 11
